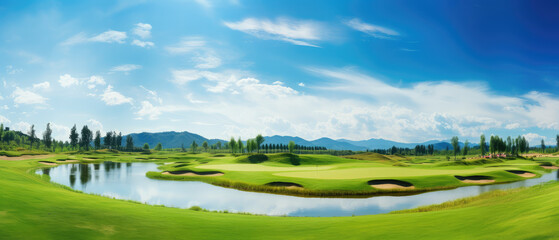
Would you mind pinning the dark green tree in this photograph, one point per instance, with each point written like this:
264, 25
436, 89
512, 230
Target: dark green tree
74, 137
129, 143
146, 146
455, 146
97, 141
47, 137
259, 140
32, 136
482, 144
158, 147
86, 137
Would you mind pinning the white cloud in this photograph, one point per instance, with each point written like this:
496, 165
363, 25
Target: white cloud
512, 126
278, 83
207, 61
4, 120
142, 30
95, 125
372, 30
60, 132
27, 97
293, 31
111, 97
148, 110
204, 56
301, 84
191, 99
535, 139
43, 85
144, 44
126, 68
187, 45
66, 80
22, 127
109, 36
94, 81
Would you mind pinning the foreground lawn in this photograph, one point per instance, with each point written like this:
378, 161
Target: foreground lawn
33, 208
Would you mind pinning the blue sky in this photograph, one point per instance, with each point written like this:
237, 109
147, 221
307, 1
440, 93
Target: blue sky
408, 71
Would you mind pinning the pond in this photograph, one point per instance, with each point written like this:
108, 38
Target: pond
128, 181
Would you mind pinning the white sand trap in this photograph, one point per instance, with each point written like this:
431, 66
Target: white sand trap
194, 174
67, 161
47, 163
521, 173
478, 181
391, 186
550, 167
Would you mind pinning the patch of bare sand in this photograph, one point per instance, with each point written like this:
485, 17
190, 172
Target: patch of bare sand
390, 186
24, 157
550, 167
484, 181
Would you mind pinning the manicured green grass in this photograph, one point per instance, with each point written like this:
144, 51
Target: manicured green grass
325, 175
33, 208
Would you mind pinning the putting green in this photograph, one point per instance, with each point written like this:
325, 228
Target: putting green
260, 168
381, 172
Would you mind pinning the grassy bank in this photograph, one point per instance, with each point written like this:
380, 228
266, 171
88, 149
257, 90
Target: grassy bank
33, 208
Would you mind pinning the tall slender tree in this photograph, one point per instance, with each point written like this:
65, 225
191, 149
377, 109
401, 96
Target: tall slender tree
543, 146
129, 143
233, 145
482, 144
47, 137
466, 147
97, 141
193, 146
86, 138
240, 146
32, 136
455, 146
259, 140
108, 140
205, 145
74, 137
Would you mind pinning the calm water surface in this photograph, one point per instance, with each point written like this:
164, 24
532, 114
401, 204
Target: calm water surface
128, 181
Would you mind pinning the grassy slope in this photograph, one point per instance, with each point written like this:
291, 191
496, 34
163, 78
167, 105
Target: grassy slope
30, 207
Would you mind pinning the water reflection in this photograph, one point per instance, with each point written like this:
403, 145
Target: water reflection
131, 183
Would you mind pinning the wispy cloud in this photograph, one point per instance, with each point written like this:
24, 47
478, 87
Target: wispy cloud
109, 36
203, 56
126, 68
297, 32
43, 85
27, 97
372, 30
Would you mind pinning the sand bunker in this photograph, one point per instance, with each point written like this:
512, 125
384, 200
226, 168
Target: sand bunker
284, 184
24, 157
390, 184
521, 173
47, 163
475, 179
192, 173
550, 167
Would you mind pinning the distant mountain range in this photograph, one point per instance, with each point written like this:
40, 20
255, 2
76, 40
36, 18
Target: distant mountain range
176, 139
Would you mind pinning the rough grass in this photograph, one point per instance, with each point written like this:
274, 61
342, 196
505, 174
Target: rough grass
33, 208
